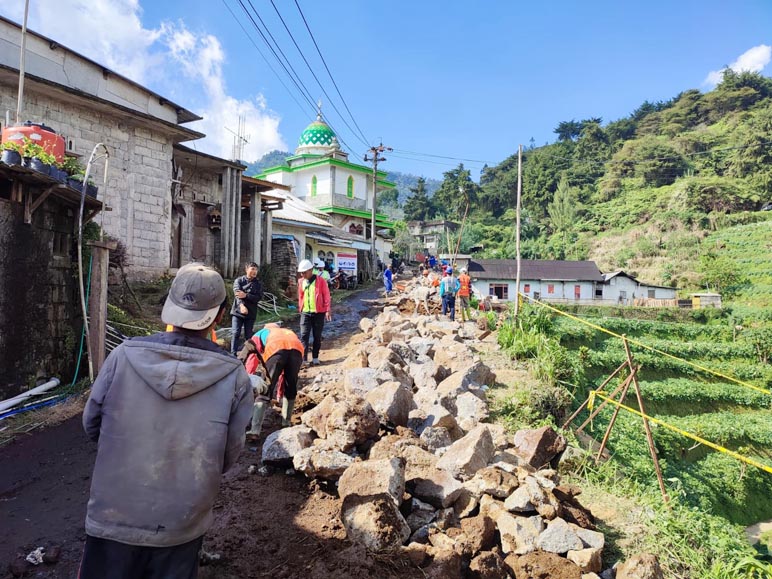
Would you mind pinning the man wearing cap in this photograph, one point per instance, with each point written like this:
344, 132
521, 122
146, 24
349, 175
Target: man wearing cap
169, 413
449, 286
280, 353
464, 291
247, 292
314, 307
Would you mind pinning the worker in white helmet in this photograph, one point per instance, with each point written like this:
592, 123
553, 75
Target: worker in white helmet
314, 308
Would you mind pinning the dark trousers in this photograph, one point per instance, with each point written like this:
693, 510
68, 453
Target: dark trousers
449, 305
289, 362
237, 324
311, 323
105, 559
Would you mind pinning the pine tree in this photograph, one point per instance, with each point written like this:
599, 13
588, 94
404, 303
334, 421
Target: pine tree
562, 211
418, 207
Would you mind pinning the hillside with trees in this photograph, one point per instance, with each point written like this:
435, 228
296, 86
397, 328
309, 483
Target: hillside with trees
660, 193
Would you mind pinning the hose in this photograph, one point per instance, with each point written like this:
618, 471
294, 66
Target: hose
83, 331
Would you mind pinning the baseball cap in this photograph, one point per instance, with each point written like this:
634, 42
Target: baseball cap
195, 297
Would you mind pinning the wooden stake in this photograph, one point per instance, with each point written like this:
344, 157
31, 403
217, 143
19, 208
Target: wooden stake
622, 397
649, 437
601, 406
517, 227
584, 404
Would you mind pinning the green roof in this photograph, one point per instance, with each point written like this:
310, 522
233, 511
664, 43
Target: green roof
317, 134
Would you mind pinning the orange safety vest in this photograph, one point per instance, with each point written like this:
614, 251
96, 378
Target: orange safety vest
465, 282
281, 339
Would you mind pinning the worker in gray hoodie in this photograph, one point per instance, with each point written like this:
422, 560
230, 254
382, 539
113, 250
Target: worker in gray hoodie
169, 412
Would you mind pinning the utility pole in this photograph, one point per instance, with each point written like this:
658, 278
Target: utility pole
517, 226
375, 159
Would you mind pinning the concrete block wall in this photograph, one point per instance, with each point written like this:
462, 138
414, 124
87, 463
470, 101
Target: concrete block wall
138, 189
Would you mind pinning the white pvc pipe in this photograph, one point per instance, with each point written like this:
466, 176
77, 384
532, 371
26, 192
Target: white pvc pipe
16, 400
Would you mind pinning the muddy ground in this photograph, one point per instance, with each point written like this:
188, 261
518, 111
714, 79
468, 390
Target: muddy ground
279, 526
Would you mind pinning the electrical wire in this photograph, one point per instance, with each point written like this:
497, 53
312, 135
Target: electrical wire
335, 84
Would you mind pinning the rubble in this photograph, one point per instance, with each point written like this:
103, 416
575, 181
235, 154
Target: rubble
419, 470
282, 445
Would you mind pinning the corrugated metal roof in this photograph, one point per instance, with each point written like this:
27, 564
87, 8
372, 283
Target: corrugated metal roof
298, 211
533, 269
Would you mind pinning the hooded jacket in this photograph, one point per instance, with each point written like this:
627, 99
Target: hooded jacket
169, 412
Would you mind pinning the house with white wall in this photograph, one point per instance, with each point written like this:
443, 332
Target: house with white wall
578, 282
622, 288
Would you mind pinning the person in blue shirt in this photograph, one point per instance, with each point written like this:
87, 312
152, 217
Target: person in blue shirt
449, 287
387, 280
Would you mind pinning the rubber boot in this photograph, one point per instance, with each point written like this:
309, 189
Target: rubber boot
258, 413
287, 406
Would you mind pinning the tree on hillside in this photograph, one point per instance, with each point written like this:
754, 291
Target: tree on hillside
542, 170
388, 198
405, 244
457, 187
721, 274
568, 130
562, 212
419, 206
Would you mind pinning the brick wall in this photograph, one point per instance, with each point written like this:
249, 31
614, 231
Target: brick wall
139, 175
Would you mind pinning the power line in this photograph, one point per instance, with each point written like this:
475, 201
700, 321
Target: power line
442, 156
335, 84
260, 52
363, 139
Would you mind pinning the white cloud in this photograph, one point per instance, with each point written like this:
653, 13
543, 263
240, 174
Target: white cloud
754, 60
111, 32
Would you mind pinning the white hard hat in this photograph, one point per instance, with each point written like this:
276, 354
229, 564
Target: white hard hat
305, 265
319, 263
463, 270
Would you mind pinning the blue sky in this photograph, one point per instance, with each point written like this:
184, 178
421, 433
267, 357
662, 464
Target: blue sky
458, 79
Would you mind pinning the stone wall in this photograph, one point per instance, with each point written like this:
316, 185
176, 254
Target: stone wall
138, 190
39, 307
284, 262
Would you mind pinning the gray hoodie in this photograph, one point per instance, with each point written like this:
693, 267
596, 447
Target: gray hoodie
170, 413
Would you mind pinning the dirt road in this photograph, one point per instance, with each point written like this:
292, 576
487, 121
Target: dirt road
278, 526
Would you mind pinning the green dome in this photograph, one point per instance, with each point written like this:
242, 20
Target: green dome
317, 134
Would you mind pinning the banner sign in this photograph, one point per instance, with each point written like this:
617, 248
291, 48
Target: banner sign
348, 262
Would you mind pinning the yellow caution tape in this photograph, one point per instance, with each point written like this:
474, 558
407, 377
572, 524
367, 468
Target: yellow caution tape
682, 432
650, 348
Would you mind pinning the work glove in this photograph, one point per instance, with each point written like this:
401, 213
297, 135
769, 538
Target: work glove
248, 349
259, 386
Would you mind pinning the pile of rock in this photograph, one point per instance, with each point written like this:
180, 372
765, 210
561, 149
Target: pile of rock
401, 429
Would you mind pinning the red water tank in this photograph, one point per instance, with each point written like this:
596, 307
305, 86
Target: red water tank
39, 134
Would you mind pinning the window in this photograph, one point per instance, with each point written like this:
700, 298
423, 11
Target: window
527, 288
350, 187
550, 288
599, 292
313, 186
622, 296
577, 292
500, 290
309, 252
652, 293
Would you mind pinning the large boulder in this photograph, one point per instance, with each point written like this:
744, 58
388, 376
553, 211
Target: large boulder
280, 446
643, 566
403, 351
559, 537
357, 359
519, 534
388, 372
487, 565
359, 381
422, 346
492, 481
437, 416
468, 454
382, 354
375, 522
438, 488
392, 402
424, 373
366, 325
479, 535
519, 501
470, 411
322, 461
345, 422
588, 560
418, 462
435, 438
373, 477
538, 446
540, 565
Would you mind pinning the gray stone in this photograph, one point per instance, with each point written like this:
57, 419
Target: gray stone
375, 522
374, 477
437, 487
382, 354
321, 462
435, 438
392, 402
359, 381
470, 411
519, 535
418, 462
357, 359
403, 351
350, 422
559, 538
421, 514
590, 539
519, 501
423, 373
366, 325
280, 446
439, 416
469, 454
422, 346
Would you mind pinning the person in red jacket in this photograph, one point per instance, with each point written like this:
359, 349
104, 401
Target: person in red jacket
314, 308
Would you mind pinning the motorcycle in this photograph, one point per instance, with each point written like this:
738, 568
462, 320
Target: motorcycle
341, 280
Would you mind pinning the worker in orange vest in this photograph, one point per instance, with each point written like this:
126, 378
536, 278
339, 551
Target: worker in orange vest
280, 353
464, 291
